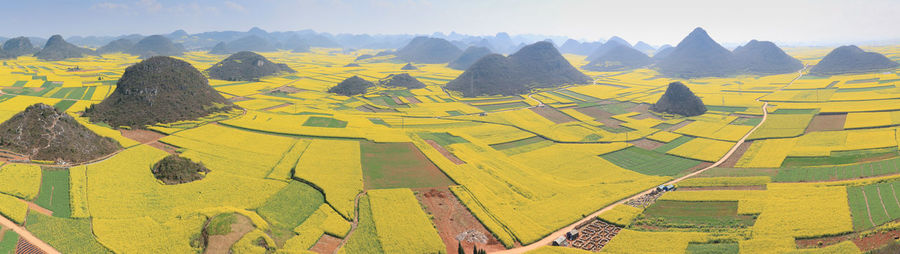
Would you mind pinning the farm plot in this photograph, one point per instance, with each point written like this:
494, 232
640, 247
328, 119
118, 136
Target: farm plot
334, 165
694, 215
782, 126
649, 162
364, 239
400, 223
54, 193
20, 180
398, 165
454, 222
593, 235
842, 172
291, 205
874, 204
65, 235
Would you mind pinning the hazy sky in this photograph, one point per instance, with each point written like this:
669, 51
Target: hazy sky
656, 22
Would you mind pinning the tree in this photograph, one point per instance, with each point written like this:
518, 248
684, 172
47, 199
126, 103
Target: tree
460, 249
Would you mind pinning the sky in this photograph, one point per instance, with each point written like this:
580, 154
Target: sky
802, 22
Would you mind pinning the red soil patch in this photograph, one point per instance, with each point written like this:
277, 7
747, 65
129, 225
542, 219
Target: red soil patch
326, 244
871, 241
287, 89
453, 219
733, 159
25, 247
221, 244
239, 98
553, 114
412, 99
277, 106
143, 136
162, 146
876, 240
749, 187
646, 143
450, 156
601, 116
679, 125
830, 122
39, 209
399, 165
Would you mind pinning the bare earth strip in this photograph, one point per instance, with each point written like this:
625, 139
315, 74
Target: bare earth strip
27, 236
868, 210
549, 238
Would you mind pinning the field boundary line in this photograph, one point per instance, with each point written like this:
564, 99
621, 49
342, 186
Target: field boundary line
868, 210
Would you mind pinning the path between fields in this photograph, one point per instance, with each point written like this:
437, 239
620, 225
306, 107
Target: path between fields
353, 225
27, 236
549, 238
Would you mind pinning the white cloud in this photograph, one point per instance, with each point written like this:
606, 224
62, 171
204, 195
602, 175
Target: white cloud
109, 6
149, 5
234, 6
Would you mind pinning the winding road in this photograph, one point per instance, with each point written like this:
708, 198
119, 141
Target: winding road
27, 236
549, 238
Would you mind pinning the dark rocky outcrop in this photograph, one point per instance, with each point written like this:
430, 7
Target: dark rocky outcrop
246, 66
160, 89
620, 57
428, 50
174, 169
606, 47
579, 48
644, 47
42, 132
698, 55
401, 80
679, 99
764, 57
247, 43
662, 53
364, 57
351, 86
851, 59
296, 44
468, 57
409, 67
156, 45
58, 49
116, 46
538, 65
19, 46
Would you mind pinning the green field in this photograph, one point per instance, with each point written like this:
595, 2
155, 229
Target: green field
8, 242
877, 194
363, 240
502, 106
698, 215
842, 172
649, 162
328, 122
673, 144
442, 138
712, 248
842, 157
398, 165
54, 193
291, 205
66, 235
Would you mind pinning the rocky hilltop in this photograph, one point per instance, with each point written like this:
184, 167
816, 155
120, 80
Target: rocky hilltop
679, 99
155, 45
246, 66
42, 132
428, 50
351, 86
851, 59
468, 57
538, 65
160, 89
764, 57
401, 80
58, 49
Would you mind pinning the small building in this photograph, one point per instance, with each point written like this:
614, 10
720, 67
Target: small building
670, 187
561, 241
571, 235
